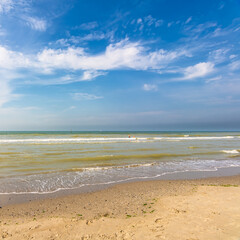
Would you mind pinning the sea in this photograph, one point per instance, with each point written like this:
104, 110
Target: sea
47, 162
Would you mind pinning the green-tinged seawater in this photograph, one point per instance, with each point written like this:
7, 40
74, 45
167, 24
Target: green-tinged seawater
49, 161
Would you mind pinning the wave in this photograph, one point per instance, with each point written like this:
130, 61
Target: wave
193, 138
99, 168
49, 183
234, 151
106, 139
71, 140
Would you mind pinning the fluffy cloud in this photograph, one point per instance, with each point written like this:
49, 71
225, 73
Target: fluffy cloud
122, 55
12, 60
199, 70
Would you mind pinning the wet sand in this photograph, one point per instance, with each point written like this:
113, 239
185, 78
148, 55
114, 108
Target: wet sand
163, 209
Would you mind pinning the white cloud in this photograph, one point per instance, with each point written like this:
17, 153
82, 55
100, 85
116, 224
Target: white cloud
89, 75
149, 20
75, 40
122, 55
59, 80
218, 55
237, 29
150, 87
88, 26
232, 56
6, 5
88, 37
217, 78
85, 96
36, 23
201, 31
11, 59
83, 66
199, 70
159, 23
66, 79
218, 32
235, 65
204, 26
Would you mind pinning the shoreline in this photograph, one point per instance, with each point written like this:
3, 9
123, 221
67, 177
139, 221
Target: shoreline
17, 198
199, 209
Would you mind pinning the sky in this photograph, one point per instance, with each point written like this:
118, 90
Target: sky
119, 65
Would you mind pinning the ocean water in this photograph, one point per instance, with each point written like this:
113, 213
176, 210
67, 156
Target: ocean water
44, 162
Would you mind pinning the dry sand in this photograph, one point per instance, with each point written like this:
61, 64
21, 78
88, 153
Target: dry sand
197, 209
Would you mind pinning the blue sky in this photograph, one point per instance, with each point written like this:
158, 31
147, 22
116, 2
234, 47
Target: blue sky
119, 65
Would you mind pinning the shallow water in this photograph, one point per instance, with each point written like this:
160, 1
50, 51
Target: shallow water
49, 161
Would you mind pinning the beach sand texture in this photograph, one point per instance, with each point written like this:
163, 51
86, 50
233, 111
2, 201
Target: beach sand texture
196, 209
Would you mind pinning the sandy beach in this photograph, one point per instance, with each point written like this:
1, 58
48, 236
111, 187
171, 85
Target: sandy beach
182, 209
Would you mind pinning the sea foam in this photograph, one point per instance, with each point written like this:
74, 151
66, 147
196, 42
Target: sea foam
234, 151
105, 139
